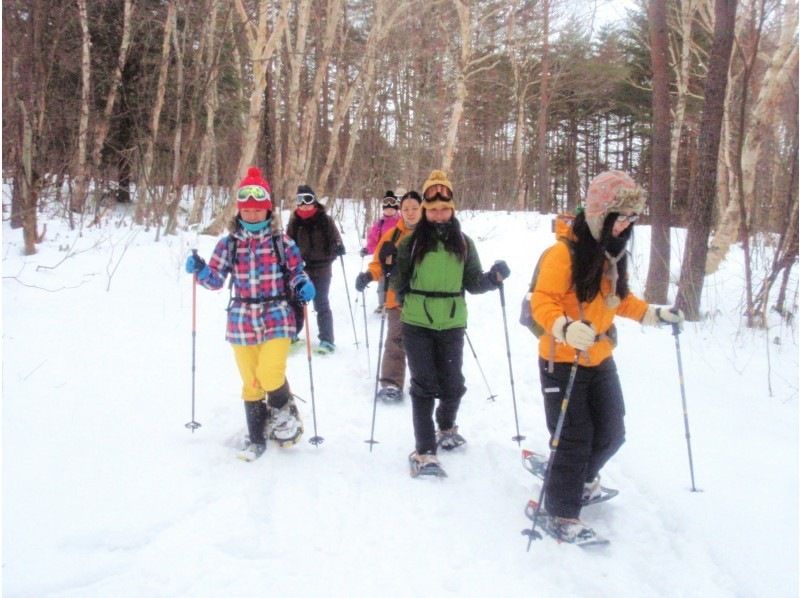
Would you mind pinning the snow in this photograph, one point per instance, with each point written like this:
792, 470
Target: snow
106, 493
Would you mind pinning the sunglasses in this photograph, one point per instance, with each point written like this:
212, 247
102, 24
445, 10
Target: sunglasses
438, 192
627, 218
305, 199
255, 191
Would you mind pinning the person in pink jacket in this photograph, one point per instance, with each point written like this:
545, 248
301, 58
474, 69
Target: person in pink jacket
391, 216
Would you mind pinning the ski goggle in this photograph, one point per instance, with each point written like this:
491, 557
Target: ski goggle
438, 192
391, 202
627, 218
257, 192
305, 199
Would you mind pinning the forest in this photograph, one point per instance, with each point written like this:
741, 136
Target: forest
161, 105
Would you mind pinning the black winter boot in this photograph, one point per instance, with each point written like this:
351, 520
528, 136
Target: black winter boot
256, 413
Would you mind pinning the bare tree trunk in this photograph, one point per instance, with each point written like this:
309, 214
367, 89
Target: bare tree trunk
78, 199
173, 194
690, 286
543, 168
296, 53
463, 10
211, 103
360, 88
104, 119
261, 47
308, 124
29, 183
658, 273
144, 185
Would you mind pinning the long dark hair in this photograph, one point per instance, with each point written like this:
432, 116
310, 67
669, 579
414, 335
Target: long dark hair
587, 267
426, 235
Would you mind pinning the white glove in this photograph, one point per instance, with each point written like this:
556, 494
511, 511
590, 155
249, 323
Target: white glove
655, 316
576, 333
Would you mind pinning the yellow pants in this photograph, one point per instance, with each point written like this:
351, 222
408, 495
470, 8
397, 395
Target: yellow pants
262, 367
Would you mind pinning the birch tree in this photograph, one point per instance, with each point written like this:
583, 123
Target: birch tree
261, 45
78, 197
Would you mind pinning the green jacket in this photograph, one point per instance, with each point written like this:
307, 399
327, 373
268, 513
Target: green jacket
432, 292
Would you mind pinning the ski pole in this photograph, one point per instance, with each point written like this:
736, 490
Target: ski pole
193, 425
366, 331
676, 330
492, 396
372, 440
349, 305
518, 438
315, 439
532, 533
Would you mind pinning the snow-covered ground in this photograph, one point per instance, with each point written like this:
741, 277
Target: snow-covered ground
106, 493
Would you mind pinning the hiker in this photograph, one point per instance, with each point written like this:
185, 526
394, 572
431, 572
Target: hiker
393, 364
320, 244
264, 266
582, 285
434, 266
387, 221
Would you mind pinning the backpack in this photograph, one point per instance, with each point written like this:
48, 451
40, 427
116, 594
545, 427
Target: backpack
525, 317
291, 297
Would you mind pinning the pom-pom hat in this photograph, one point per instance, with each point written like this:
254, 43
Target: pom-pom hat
254, 191
438, 177
609, 192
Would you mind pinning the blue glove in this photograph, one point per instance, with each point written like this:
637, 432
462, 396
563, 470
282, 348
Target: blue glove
306, 291
194, 264
340, 250
499, 272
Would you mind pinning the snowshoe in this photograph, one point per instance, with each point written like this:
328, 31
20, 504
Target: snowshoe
251, 451
561, 529
593, 492
449, 439
325, 348
425, 465
390, 394
284, 425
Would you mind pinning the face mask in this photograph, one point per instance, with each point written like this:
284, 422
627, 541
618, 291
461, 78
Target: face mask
255, 227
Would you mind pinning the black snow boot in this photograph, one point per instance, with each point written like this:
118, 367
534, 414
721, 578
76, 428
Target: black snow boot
256, 413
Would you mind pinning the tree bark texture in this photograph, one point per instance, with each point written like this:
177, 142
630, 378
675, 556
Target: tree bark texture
704, 184
658, 272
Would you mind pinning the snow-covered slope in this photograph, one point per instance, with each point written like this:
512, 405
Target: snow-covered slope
106, 493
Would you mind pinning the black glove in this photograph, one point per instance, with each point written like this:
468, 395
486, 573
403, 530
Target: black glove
362, 280
340, 250
363, 252
387, 255
499, 272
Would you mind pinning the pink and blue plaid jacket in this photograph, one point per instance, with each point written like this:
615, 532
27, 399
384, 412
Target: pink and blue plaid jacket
256, 274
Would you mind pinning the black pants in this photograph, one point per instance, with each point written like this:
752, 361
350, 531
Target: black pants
593, 429
434, 361
322, 283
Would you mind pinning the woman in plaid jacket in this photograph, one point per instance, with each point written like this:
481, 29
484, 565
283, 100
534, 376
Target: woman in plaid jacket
265, 268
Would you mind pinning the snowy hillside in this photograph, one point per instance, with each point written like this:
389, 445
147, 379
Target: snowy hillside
106, 493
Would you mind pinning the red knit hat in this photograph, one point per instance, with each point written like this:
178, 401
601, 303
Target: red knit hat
254, 191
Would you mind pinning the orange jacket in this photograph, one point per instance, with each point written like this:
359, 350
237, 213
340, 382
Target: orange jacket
555, 296
374, 267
